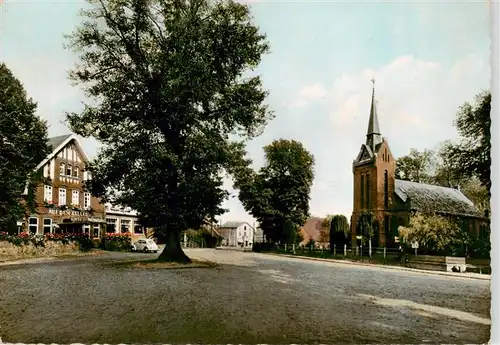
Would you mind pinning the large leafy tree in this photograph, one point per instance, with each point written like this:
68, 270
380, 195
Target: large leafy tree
472, 155
23, 145
416, 166
280, 191
168, 92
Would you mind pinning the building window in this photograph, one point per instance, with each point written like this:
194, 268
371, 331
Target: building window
386, 155
75, 198
62, 169
362, 190
386, 190
367, 190
62, 196
47, 194
47, 226
125, 225
86, 200
111, 225
138, 228
68, 170
86, 229
33, 225
96, 230
75, 171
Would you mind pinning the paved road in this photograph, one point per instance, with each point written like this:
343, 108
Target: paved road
251, 298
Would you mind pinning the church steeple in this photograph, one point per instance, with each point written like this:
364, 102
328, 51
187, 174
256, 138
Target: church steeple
373, 137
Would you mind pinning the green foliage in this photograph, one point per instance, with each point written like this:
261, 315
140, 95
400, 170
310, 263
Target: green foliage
434, 233
365, 225
340, 224
279, 192
415, 166
168, 91
202, 237
23, 145
472, 154
117, 242
339, 230
291, 233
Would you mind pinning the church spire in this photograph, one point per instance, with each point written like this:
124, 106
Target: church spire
373, 137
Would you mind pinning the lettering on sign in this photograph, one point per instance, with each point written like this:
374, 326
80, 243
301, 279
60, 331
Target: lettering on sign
68, 212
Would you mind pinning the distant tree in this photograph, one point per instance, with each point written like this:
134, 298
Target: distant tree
280, 191
23, 145
339, 230
416, 166
472, 155
324, 231
434, 233
168, 96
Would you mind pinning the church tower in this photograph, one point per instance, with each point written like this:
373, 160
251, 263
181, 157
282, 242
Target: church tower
374, 179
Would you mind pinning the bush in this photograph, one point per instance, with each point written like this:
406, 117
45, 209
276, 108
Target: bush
117, 242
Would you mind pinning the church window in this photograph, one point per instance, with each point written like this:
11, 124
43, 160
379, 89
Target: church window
367, 180
362, 185
386, 189
386, 156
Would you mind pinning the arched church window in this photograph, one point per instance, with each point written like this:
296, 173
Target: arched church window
386, 189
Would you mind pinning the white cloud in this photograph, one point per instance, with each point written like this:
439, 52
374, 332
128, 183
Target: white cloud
306, 95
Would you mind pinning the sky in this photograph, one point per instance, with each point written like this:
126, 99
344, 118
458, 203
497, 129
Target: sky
427, 58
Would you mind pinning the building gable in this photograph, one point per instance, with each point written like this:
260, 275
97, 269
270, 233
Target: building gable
66, 144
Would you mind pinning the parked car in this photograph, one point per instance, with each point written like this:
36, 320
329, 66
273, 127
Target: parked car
145, 245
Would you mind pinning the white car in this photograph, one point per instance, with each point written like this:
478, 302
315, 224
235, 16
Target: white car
145, 245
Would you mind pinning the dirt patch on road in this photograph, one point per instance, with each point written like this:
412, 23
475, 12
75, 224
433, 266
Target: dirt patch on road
17, 260
154, 264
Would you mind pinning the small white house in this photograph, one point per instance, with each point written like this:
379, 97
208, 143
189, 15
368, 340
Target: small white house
237, 234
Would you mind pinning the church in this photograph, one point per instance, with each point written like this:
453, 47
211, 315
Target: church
391, 201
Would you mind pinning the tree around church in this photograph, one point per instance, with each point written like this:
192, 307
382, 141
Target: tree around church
167, 91
434, 233
339, 230
280, 191
23, 145
472, 154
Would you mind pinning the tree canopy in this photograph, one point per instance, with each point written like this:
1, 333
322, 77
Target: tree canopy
339, 230
472, 154
434, 233
416, 166
168, 98
23, 145
279, 191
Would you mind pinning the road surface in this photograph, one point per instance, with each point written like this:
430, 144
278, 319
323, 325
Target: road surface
249, 298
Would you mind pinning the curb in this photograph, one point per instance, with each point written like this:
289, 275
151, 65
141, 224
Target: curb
478, 277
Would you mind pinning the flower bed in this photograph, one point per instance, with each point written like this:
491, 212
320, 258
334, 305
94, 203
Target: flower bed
82, 241
117, 242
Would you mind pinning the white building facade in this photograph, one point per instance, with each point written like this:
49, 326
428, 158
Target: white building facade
237, 234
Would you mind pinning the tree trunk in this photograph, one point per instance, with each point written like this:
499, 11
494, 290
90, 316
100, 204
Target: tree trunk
173, 251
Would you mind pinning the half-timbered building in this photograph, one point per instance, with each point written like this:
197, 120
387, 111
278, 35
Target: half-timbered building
63, 203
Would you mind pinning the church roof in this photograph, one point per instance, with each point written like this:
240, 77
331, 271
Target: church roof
420, 196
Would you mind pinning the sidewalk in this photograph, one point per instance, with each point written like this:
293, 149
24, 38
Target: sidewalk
400, 268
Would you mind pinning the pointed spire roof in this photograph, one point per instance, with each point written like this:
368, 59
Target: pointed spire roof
373, 137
